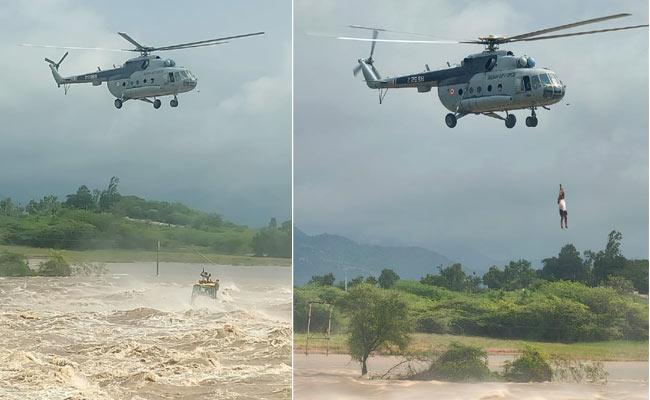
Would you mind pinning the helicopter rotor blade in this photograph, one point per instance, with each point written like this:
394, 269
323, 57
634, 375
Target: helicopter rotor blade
566, 26
375, 33
71, 47
356, 70
208, 42
129, 39
405, 41
578, 33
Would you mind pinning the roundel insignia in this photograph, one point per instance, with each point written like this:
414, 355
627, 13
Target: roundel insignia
452, 91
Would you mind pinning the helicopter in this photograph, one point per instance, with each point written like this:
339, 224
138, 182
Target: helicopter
486, 83
142, 78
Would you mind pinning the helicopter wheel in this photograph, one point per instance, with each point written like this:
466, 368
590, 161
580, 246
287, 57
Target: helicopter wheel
531, 122
173, 103
118, 103
451, 120
511, 120
156, 104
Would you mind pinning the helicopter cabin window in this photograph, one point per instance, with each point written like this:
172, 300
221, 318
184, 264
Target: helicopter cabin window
145, 81
535, 81
499, 87
478, 89
460, 92
489, 88
137, 82
545, 80
471, 90
171, 76
525, 83
123, 83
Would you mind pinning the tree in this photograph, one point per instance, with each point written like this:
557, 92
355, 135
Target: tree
355, 281
377, 318
452, 278
518, 275
323, 280
273, 242
109, 196
610, 261
494, 278
82, 199
568, 266
387, 278
8, 208
48, 205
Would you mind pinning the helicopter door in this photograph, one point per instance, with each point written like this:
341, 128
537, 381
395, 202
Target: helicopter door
170, 77
526, 83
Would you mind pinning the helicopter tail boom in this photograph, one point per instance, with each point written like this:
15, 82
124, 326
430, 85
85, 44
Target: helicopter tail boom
370, 74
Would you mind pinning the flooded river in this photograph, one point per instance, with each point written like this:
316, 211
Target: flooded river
130, 335
335, 377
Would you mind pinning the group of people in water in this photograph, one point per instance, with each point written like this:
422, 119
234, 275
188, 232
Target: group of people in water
206, 277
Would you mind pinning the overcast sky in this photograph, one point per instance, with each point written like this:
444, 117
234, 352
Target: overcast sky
395, 174
225, 149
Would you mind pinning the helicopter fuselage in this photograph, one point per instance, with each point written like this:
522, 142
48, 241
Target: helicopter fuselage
490, 81
139, 78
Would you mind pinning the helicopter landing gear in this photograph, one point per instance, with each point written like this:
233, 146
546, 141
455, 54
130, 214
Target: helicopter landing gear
156, 104
511, 120
451, 120
118, 103
532, 120
174, 102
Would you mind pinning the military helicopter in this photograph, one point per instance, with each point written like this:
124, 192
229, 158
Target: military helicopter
485, 83
142, 78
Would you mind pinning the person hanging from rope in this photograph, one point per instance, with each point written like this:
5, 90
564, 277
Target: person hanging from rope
561, 201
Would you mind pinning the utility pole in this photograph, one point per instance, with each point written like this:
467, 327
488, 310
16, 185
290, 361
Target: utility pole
157, 257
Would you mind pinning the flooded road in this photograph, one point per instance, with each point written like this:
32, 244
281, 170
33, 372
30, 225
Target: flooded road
130, 335
335, 377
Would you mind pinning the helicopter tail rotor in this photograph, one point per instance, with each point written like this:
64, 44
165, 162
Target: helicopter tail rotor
368, 61
56, 64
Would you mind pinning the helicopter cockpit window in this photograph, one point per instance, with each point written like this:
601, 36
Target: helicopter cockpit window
535, 81
545, 80
171, 76
526, 83
554, 79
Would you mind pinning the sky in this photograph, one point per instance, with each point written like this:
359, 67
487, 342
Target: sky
225, 149
394, 174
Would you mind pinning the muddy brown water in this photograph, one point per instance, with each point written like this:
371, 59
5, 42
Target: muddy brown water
336, 377
130, 335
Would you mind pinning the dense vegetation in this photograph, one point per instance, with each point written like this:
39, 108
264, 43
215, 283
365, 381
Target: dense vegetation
106, 219
570, 299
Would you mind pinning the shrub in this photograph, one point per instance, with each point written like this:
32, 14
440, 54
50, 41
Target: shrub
12, 264
531, 366
459, 363
55, 266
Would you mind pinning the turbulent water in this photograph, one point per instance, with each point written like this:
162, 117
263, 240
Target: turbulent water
129, 335
319, 377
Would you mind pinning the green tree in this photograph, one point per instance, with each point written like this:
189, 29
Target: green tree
518, 275
610, 261
494, 278
387, 278
568, 266
323, 280
8, 208
82, 199
377, 318
109, 196
453, 278
620, 284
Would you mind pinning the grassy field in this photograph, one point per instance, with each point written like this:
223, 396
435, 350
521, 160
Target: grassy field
122, 255
599, 351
